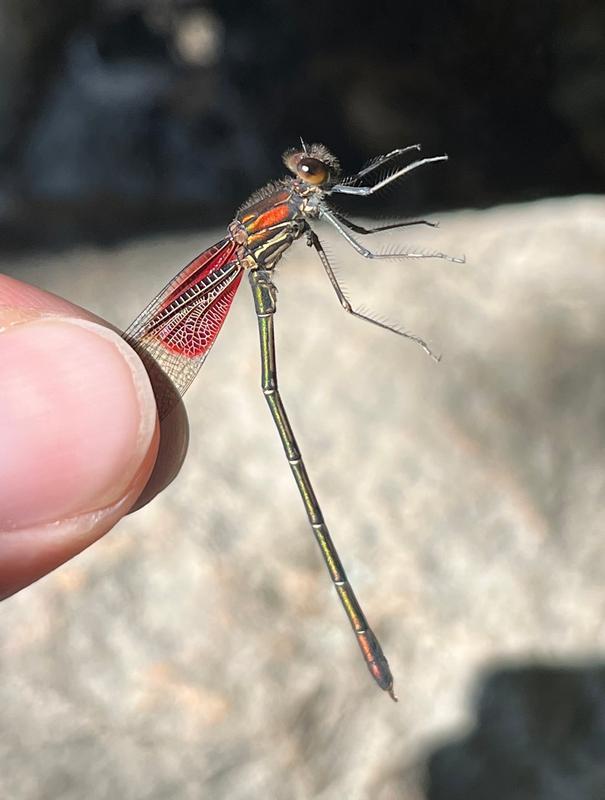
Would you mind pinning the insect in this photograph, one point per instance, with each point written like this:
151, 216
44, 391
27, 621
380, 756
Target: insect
174, 334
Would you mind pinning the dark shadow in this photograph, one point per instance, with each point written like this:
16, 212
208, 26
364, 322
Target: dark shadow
174, 431
539, 735
111, 125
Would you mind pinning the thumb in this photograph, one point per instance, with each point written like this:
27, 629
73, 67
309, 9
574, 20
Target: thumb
78, 432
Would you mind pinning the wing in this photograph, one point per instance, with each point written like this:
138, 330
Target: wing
174, 334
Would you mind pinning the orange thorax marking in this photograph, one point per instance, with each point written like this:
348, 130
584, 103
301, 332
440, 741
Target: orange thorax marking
268, 218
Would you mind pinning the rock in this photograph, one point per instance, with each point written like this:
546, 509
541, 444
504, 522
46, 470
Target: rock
199, 650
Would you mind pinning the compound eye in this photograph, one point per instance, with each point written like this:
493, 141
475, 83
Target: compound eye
312, 170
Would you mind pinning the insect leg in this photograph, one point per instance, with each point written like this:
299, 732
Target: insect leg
363, 251
364, 191
344, 302
354, 226
381, 160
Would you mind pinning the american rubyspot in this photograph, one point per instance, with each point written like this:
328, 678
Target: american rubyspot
174, 334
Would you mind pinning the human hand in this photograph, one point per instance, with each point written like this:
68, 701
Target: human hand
78, 431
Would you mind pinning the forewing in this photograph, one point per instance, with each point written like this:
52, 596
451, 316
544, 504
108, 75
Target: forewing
174, 334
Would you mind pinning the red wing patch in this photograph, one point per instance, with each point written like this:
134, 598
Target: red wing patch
177, 329
199, 268
193, 333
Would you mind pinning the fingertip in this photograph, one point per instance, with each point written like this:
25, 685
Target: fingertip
79, 430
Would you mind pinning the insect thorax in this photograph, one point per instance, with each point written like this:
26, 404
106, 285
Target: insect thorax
267, 225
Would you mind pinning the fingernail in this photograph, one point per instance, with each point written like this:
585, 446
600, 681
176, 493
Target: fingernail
76, 419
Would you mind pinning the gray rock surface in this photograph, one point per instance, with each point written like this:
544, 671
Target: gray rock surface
198, 651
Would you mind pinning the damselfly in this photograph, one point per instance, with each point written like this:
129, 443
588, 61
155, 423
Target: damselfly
174, 334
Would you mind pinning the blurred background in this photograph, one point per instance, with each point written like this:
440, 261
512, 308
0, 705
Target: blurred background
122, 116
198, 651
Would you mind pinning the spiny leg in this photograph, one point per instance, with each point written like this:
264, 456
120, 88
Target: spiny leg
363, 251
363, 191
381, 160
264, 294
313, 241
354, 226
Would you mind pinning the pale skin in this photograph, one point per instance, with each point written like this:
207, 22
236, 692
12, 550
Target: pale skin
78, 431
